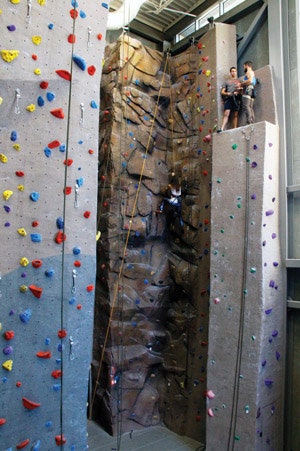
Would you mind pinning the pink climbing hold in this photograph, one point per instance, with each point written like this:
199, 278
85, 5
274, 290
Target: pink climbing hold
58, 112
36, 291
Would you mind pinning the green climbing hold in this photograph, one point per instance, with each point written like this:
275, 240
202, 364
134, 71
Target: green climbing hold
234, 146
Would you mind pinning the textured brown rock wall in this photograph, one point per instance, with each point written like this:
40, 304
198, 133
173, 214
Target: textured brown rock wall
157, 118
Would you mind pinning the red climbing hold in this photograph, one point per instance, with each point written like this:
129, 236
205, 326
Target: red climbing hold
91, 70
91, 151
63, 74
68, 162
99, 36
9, 335
2, 421
90, 288
54, 144
56, 374
44, 354
74, 13
35, 223
62, 333
36, 263
68, 190
60, 440
18, 384
87, 214
36, 291
23, 444
30, 405
77, 263
44, 84
34, 57
72, 38
20, 173
60, 237
58, 112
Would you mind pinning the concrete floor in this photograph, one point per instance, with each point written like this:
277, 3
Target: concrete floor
156, 438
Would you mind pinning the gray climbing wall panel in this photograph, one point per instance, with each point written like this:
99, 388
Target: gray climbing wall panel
50, 67
247, 308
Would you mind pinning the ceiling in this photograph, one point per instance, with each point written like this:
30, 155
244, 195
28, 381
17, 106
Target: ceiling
163, 19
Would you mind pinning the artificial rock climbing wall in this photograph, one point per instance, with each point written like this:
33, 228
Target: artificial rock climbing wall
158, 114
50, 66
247, 306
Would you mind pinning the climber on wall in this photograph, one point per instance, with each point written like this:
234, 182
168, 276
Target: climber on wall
248, 84
172, 204
231, 94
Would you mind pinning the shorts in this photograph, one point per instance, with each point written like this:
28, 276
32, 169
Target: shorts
232, 103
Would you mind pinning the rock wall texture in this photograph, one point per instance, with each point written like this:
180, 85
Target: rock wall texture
158, 114
50, 66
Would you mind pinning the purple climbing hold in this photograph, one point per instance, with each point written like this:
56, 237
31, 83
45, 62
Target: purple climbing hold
269, 212
277, 355
255, 147
274, 333
263, 363
7, 350
275, 264
268, 382
7, 224
254, 164
274, 236
264, 243
271, 284
268, 311
253, 196
6, 208
11, 27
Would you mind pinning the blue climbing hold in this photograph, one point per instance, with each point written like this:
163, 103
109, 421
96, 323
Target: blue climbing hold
60, 223
25, 316
49, 272
40, 101
82, 14
47, 152
80, 181
94, 104
79, 61
35, 196
50, 96
76, 250
36, 237
14, 135
36, 445
62, 148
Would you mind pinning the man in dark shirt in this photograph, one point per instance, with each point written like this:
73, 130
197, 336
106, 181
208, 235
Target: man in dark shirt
231, 93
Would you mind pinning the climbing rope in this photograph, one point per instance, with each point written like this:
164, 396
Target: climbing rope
236, 386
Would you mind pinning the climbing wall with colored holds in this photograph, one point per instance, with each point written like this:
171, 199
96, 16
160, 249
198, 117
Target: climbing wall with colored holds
50, 67
247, 304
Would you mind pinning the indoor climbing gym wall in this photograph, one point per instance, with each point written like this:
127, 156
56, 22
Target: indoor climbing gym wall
158, 114
247, 305
50, 67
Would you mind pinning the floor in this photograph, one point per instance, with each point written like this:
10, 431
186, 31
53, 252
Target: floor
156, 438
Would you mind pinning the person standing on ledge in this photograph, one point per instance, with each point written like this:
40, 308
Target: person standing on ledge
231, 93
248, 83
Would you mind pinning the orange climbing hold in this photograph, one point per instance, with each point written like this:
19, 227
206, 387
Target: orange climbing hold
63, 74
9, 335
60, 440
23, 444
44, 354
56, 374
58, 112
36, 291
30, 405
60, 237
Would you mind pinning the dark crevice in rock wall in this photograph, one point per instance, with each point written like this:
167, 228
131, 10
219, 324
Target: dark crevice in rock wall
154, 122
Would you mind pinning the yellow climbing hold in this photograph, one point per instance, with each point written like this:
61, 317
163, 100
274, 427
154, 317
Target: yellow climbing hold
41, 2
98, 235
1, 100
23, 288
22, 231
208, 72
30, 108
9, 55
36, 40
21, 187
3, 158
7, 194
14, 2
0, 327
37, 71
17, 147
24, 261
7, 365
